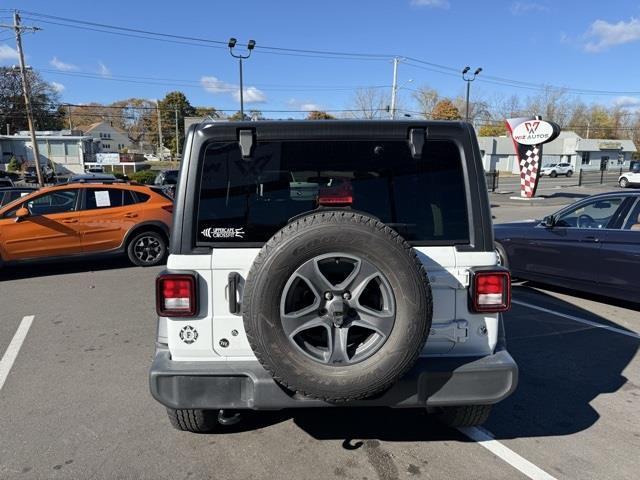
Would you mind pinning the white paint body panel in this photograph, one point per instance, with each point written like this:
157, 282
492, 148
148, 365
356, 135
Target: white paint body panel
455, 331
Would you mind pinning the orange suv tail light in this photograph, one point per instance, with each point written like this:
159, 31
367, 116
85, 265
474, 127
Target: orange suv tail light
176, 295
490, 291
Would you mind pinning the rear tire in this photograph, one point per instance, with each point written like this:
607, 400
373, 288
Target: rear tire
502, 256
194, 421
465, 415
569, 173
624, 183
147, 249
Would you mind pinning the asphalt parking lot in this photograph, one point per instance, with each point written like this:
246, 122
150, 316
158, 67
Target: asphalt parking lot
75, 403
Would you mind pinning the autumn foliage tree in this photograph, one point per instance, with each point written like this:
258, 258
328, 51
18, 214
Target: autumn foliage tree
319, 115
445, 110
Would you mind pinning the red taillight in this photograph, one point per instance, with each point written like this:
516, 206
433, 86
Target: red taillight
491, 291
176, 295
168, 208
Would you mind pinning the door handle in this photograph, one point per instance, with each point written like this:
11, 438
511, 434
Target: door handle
70, 220
130, 215
591, 238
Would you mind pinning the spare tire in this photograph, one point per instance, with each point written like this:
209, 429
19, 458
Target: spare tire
337, 306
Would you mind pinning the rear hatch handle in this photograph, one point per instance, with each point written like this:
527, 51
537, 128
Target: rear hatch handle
234, 281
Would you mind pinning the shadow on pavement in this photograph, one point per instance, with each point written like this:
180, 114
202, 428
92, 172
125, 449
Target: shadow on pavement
63, 267
564, 365
564, 195
587, 296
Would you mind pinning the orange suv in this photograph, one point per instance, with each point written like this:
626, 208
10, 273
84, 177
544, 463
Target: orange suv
77, 219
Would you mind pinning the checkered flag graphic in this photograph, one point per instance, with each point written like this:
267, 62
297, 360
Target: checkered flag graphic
529, 164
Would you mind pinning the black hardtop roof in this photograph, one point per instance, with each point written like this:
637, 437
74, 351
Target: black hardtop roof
318, 129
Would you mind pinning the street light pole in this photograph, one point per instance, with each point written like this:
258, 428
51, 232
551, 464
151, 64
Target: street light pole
469, 78
250, 46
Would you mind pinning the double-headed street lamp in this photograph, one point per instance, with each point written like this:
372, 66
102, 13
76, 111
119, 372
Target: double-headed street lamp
469, 78
250, 46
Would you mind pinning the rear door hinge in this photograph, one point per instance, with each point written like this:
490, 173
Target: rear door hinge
246, 141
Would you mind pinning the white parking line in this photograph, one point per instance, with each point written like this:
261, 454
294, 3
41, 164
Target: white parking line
578, 319
486, 440
14, 347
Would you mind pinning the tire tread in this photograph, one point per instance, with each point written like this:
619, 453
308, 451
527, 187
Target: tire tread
336, 217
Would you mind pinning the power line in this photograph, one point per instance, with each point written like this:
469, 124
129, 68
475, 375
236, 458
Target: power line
411, 61
219, 85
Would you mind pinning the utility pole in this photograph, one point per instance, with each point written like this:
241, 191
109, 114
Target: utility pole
177, 136
394, 88
69, 115
18, 29
160, 151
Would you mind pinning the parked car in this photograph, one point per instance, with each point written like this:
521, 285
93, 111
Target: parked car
31, 176
87, 218
166, 177
92, 177
556, 169
592, 246
324, 263
9, 194
630, 178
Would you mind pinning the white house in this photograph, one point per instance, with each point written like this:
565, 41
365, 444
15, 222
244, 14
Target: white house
110, 138
498, 153
67, 149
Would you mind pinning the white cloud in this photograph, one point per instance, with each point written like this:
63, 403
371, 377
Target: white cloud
431, 3
58, 87
251, 95
523, 8
214, 85
310, 107
304, 106
632, 103
103, 70
604, 35
60, 65
8, 53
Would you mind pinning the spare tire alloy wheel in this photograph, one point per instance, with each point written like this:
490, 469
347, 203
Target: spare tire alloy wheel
337, 306
346, 322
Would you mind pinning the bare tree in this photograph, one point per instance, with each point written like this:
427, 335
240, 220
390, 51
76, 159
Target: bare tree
369, 103
426, 99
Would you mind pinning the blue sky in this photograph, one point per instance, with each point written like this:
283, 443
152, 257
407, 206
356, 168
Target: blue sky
578, 44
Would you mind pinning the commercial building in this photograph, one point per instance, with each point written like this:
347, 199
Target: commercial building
66, 150
498, 153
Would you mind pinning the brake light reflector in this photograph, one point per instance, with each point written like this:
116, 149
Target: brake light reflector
176, 295
491, 291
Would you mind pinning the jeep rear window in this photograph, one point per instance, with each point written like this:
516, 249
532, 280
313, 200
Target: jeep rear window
248, 201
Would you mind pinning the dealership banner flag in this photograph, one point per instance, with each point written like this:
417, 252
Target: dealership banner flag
528, 135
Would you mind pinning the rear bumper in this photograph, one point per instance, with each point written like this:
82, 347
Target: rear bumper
432, 382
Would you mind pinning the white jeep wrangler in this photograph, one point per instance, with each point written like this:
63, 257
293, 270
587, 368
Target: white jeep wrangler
325, 263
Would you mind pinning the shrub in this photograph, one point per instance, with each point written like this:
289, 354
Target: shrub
14, 165
144, 176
